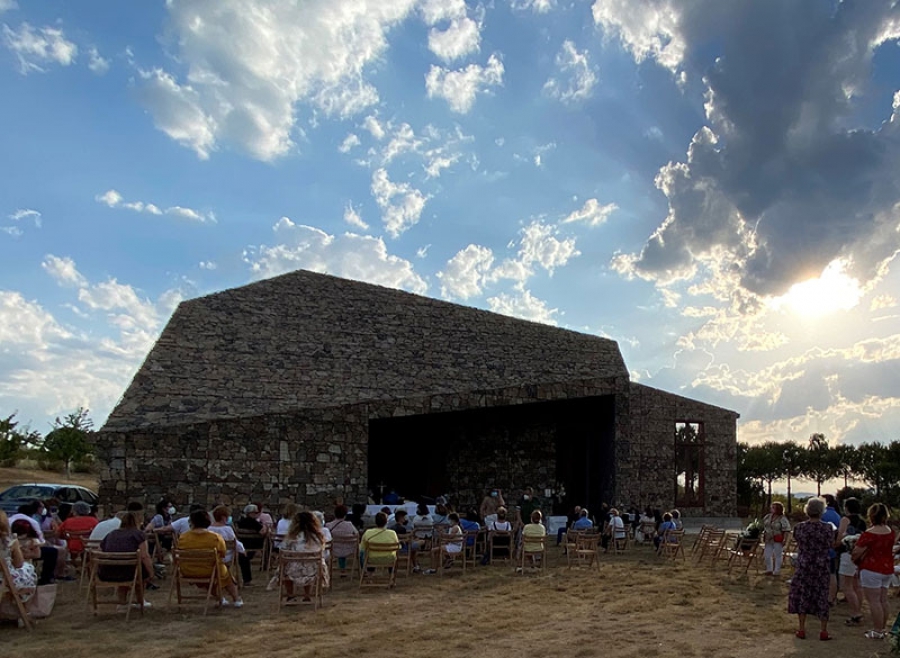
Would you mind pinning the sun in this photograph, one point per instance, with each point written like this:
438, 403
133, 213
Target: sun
834, 290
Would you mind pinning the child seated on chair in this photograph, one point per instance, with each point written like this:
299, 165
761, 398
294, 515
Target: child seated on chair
533, 530
447, 551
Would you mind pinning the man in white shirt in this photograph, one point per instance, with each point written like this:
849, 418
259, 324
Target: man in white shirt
105, 527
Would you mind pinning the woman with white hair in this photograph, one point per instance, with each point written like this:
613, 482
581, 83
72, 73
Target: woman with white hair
809, 586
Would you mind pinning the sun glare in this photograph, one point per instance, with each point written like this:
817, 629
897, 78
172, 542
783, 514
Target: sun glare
832, 291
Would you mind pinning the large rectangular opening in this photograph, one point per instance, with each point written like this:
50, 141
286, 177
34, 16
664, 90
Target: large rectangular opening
463, 453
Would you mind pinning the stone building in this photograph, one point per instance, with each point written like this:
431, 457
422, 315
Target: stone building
307, 387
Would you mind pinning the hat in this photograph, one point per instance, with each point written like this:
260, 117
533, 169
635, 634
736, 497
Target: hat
251, 509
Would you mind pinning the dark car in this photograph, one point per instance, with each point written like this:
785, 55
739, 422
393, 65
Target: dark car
20, 494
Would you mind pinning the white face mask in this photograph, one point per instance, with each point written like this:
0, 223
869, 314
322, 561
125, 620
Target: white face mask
171, 510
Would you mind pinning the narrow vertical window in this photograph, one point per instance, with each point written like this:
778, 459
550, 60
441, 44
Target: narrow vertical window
689, 453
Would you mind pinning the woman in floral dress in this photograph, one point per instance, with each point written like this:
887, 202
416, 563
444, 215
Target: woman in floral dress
809, 586
305, 535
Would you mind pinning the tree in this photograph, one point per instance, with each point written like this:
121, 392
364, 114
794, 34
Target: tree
763, 463
794, 461
10, 440
871, 464
69, 441
820, 462
846, 458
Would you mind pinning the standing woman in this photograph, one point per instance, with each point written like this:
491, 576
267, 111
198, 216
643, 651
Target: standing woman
852, 525
775, 528
809, 586
873, 554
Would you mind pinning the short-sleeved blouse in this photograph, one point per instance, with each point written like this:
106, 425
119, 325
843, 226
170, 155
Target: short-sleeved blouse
879, 558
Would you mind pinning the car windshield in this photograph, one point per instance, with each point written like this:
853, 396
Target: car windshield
27, 491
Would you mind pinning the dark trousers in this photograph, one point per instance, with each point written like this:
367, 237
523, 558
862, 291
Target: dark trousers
49, 558
244, 564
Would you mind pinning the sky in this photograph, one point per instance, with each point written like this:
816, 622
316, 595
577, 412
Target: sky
716, 186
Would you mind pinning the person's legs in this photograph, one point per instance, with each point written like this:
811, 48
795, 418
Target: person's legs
768, 552
801, 625
777, 548
559, 535
850, 587
49, 559
876, 607
246, 571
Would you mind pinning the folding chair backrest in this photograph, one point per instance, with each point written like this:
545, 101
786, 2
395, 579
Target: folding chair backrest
195, 567
8, 590
121, 562
308, 561
500, 540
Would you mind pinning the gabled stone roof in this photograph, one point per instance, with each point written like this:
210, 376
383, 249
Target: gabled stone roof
305, 340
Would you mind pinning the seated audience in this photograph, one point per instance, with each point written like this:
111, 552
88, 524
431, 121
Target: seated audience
615, 528
51, 556
447, 550
405, 534
24, 577
128, 538
105, 527
342, 531
221, 525
533, 530
304, 535
667, 524
80, 521
380, 535
199, 537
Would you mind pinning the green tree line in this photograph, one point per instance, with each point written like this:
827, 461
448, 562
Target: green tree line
874, 465
67, 445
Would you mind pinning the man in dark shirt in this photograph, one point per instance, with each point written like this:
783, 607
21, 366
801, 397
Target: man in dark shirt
404, 533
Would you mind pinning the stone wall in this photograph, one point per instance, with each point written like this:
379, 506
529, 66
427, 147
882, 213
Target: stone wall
646, 466
306, 340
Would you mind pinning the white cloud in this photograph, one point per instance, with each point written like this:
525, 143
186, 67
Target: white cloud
352, 217
7, 5
576, 76
539, 245
37, 351
465, 274
350, 141
374, 127
421, 252
27, 213
96, 63
113, 199
397, 216
250, 64
208, 265
537, 6
651, 28
592, 213
38, 47
461, 38
460, 87
435, 11
403, 141
363, 258
63, 271
13, 231
523, 305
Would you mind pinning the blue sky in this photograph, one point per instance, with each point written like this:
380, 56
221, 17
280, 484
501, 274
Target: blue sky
713, 185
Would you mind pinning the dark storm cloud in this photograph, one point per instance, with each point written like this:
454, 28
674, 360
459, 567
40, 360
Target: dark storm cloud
782, 178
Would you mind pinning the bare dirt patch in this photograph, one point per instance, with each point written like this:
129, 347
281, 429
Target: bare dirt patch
11, 476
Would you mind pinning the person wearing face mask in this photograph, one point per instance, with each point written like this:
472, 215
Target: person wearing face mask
491, 503
221, 525
161, 527
50, 555
527, 504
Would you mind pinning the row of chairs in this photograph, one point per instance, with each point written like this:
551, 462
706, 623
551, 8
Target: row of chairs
715, 546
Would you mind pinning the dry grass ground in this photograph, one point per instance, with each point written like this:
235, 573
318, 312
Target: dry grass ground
636, 606
11, 476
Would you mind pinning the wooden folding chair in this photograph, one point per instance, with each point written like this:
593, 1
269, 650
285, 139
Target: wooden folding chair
452, 547
311, 562
585, 551
618, 544
474, 542
90, 547
710, 545
672, 544
249, 538
789, 550
349, 546
120, 561
385, 558
424, 532
77, 557
533, 547
648, 532
701, 537
232, 564
196, 568
501, 540
8, 590
745, 552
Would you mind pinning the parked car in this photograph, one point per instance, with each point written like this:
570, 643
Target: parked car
20, 494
